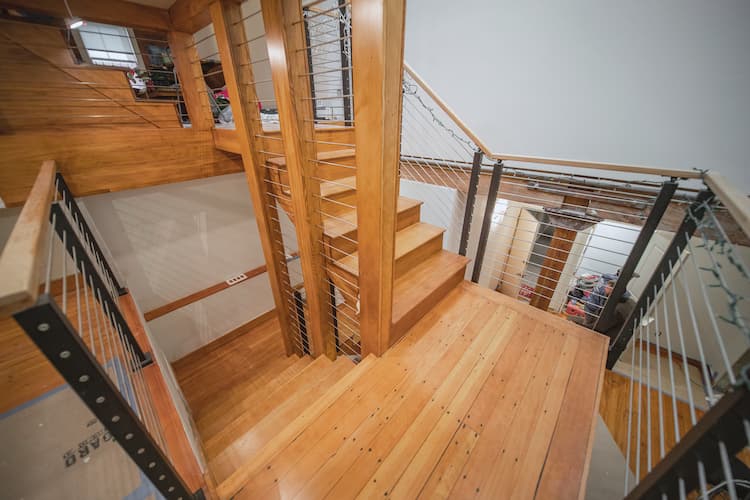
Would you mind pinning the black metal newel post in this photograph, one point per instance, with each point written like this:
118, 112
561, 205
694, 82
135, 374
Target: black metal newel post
489, 208
671, 256
607, 316
471, 198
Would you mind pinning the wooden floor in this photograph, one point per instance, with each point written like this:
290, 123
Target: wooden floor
483, 397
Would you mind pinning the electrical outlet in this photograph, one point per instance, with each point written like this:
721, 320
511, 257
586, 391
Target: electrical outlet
236, 279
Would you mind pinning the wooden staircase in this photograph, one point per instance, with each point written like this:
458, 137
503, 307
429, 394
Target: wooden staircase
424, 272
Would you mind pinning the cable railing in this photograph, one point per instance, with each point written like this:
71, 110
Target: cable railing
328, 59
629, 251
684, 352
64, 295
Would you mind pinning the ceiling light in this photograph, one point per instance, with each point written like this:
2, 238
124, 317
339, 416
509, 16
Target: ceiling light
76, 22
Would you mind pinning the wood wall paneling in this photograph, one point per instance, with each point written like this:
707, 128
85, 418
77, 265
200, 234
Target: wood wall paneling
118, 12
100, 160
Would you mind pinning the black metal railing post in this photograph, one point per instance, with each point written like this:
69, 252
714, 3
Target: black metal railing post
299, 306
346, 65
70, 202
671, 256
471, 198
48, 327
725, 423
607, 315
489, 208
74, 246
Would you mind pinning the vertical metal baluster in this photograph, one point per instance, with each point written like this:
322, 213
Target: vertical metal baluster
696, 332
65, 273
128, 391
630, 420
78, 296
702, 480
648, 385
99, 329
691, 403
712, 316
727, 468
112, 355
88, 313
658, 374
50, 251
640, 387
681, 486
148, 401
671, 361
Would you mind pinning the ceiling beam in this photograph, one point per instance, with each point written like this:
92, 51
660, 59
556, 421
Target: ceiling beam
116, 12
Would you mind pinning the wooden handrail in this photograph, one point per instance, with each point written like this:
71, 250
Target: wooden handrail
22, 257
737, 203
666, 172
448, 111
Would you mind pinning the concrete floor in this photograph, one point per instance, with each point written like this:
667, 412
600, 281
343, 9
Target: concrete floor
607, 471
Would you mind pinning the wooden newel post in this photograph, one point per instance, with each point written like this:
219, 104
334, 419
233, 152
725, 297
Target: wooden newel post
377, 56
287, 54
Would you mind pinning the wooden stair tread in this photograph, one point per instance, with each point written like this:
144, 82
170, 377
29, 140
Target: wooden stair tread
308, 376
407, 240
292, 428
414, 289
345, 223
241, 404
280, 161
283, 414
332, 189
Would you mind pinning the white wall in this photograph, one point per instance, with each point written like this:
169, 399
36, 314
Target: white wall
656, 83
173, 240
608, 247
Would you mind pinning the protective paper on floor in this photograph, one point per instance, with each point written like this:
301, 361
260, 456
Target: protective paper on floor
55, 448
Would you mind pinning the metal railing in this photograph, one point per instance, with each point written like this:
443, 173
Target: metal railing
641, 256
77, 325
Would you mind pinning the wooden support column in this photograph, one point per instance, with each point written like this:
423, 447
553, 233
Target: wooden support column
558, 252
188, 67
552, 267
288, 58
378, 55
230, 34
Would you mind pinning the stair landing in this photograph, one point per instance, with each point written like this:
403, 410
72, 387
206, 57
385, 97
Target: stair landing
484, 397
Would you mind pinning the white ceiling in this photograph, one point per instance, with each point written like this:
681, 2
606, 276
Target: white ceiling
162, 4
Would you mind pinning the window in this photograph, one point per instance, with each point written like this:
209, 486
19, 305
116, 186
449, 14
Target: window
108, 45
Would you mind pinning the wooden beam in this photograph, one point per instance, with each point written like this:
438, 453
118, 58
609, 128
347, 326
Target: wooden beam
188, 66
116, 12
231, 40
378, 52
20, 262
285, 38
190, 15
199, 295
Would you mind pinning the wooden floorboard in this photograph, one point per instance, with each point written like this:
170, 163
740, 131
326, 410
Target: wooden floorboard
483, 397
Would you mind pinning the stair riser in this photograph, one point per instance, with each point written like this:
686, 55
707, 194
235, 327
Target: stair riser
350, 283
411, 318
342, 246
340, 202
